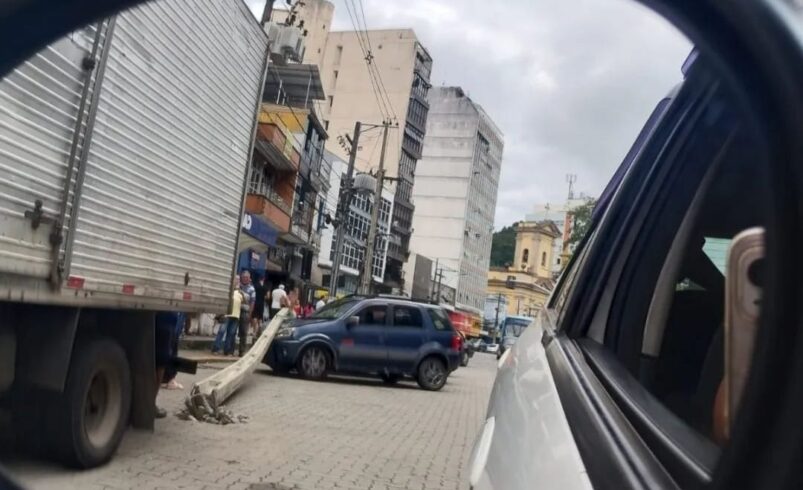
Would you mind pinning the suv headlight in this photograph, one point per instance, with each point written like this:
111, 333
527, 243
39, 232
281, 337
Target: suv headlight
285, 332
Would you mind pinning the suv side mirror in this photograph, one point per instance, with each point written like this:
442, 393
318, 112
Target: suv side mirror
352, 321
743, 283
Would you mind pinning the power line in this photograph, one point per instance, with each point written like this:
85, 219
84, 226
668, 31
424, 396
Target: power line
372, 62
386, 112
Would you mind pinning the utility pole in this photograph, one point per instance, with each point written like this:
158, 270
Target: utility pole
343, 205
496, 321
434, 291
267, 12
440, 279
367, 263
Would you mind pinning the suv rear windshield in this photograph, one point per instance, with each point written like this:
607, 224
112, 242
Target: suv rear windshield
440, 320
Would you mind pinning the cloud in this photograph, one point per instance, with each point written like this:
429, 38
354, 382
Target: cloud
570, 83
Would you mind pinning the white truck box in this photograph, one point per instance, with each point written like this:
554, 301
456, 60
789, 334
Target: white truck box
157, 177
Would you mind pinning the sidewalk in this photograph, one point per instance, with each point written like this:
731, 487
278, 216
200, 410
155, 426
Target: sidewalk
204, 356
196, 342
199, 348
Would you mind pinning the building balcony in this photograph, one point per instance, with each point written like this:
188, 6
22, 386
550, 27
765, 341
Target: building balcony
403, 203
277, 148
400, 229
396, 253
299, 234
271, 206
300, 226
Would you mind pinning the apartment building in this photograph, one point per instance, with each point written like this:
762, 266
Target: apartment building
455, 193
404, 68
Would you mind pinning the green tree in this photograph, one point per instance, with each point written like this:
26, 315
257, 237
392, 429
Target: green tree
503, 246
582, 220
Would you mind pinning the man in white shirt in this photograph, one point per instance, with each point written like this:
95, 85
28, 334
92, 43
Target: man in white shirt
321, 302
276, 297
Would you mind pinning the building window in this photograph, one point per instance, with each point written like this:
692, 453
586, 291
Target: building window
525, 256
326, 125
335, 76
338, 54
331, 100
543, 259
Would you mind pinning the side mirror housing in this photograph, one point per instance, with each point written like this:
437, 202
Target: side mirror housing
352, 321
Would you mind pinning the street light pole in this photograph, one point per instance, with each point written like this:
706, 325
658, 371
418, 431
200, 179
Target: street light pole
367, 264
343, 205
496, 321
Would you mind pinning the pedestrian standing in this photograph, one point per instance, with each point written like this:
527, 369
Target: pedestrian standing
228, 327
246, 308
292, 302
260, 291
277, 296
164, 329
321, 302
169, 381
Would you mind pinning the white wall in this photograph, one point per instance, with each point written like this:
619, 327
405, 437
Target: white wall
455, 192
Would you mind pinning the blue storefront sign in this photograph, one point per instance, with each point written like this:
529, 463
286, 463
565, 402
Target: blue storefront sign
258, 228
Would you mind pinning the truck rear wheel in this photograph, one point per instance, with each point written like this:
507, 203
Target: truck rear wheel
95, 405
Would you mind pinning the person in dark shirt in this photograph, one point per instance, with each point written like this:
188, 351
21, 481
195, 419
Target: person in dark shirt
259, 305
165, 328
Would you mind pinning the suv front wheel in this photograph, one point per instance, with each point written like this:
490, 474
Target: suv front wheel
432, 374
314, 362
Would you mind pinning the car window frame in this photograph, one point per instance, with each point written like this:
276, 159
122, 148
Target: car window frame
687, 455
432, 311
604, 238
392, 320
359, 308
566, 347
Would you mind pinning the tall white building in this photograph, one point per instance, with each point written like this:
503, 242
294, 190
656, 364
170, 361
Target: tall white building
456, 183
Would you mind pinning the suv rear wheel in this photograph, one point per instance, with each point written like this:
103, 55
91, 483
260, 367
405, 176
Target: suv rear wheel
432, 374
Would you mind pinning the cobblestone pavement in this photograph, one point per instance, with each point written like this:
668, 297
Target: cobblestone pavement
341, 433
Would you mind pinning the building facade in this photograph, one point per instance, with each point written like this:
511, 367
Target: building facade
287, 178
356, 222
404, 67
527, 284
455, 193
561, 215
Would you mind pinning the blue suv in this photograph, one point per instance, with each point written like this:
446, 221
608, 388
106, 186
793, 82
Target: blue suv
385, 336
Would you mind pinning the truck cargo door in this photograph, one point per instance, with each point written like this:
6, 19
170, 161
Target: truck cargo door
39, 116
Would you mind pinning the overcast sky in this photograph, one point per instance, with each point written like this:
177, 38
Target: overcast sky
569, 82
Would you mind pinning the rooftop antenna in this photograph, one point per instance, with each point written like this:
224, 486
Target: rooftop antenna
571, 179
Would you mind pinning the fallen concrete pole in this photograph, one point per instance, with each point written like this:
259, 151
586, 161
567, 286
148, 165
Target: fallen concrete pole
208, 395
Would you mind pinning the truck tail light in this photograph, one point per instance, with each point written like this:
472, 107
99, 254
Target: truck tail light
457, 342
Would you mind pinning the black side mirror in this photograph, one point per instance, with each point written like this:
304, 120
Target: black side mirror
352, 321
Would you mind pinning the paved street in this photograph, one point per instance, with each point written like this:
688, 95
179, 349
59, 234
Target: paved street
342, 433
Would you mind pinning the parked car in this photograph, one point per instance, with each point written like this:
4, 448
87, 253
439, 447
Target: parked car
388, 337
658, 362
467, 351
